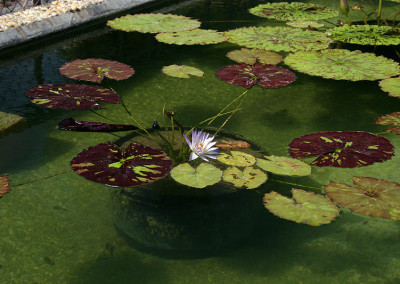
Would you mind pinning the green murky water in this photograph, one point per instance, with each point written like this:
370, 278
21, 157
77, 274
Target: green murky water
56, 227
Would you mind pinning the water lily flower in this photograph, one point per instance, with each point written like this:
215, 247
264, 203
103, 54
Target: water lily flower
201, 146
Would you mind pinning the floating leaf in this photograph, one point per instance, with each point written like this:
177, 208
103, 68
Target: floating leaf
305, 24
94, 70
278, 38
232, 144
369, 196
251, 56
284, 11
237, 159
284, 166
342, 64
108, 164
182, 71
267, 76
390, 119
192, 37
345, 149
153, 23
4, 185
366, 34
204, 175
8, 119
249, 178
392, 86
65, 96
88, 126
305, 207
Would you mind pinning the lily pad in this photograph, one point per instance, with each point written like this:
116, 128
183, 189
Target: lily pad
192, 37
305, 207
305, 24
204, 175
251, 56
8, 120
392, 86
237, 159
345, 149
89, 126
4, 185
71, 96
366, 34
94, 70
279, 38
249, 178
343, 64
108, 164
391, 119
267, 76
182, 71
369, 196
284, 11
284, 166
153, 23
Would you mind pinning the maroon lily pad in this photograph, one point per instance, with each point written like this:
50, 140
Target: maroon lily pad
71, 96
391, 119
108, 164
89, 126
345, 149
265, 75
4, 185
94, 70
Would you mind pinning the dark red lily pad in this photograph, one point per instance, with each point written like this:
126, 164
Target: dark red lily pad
94, 70
4, 185
89, 126
71, 96
108, 164
345, 149
369, 196
265, 75
391, 119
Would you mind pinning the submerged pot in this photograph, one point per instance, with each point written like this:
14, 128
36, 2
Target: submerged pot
166, 215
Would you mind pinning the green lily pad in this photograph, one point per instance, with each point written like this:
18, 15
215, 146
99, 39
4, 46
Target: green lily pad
284, 166
391, 119
366, 34
4, 185
237, 159
369, 196
343, 64
182, 71
284, 11
251, 56
305, 24
278, 38
204, 175
249, 178
392, 86
7, 120
305, 207
192, 37
153, 23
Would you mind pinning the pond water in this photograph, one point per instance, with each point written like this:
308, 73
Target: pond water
56, 227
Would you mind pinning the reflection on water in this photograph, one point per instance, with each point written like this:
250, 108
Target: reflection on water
57, 227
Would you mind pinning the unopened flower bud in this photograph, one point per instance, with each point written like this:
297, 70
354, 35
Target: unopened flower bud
344, 7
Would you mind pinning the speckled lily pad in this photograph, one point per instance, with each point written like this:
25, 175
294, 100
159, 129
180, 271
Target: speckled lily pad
305, 24
91, 126
305, 207
366, 34
251, 56
284, 11
369, 196
237, 159
153, 23
278, 38
391, 119
392, 86
343, 64
284, 166
182, 71
7, 120
204, 175
192, 37
249, 178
